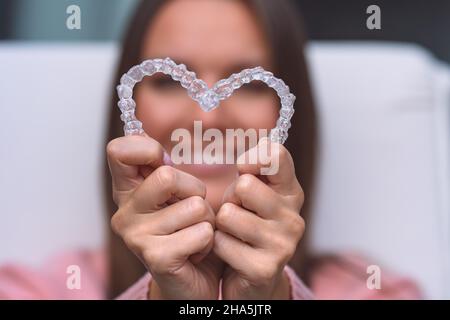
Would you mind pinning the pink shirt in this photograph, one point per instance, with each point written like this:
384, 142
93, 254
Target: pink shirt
329, 281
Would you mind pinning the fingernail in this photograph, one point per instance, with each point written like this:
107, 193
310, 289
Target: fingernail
167, 160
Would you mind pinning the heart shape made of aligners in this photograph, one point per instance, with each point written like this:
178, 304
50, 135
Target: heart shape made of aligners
208, 98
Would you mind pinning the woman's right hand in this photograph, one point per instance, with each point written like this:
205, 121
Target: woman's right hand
164, 219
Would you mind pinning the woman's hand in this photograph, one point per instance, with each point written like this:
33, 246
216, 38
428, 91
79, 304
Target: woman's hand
258, 228
164, 219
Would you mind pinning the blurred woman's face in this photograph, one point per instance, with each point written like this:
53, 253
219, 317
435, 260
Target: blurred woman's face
214, 39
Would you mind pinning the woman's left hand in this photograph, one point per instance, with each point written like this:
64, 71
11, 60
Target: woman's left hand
258, 227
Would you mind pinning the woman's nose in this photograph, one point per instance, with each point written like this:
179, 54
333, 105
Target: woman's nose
210, 78
210, 119
215, 118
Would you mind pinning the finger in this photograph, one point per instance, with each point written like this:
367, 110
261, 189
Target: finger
198, 257
253, 194
274, 161
243, 225
233, 251
192, 239
178, 246
164, 184
127, 154
177, 216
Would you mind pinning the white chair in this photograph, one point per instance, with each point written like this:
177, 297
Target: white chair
383, 182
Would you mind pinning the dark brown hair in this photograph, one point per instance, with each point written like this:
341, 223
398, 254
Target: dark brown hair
285, 34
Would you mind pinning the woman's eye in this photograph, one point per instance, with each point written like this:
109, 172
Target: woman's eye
255, 87
164, 83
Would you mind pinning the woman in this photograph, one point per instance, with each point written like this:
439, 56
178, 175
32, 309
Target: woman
202, 231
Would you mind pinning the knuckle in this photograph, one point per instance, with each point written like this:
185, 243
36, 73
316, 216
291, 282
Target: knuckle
117, 222
166, 176
207, 231
244, 184
283, 153
300, 195
298, 226
197, 206
224, 214
154, 151
282, 245
285, 250
131, 239
113, 147
134, 234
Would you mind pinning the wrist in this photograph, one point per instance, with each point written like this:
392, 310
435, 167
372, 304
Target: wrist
282, 289
154, 291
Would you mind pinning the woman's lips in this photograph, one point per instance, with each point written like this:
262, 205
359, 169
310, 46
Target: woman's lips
205, 165
207, 169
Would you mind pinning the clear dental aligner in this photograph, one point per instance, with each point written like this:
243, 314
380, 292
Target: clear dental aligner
208, 98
